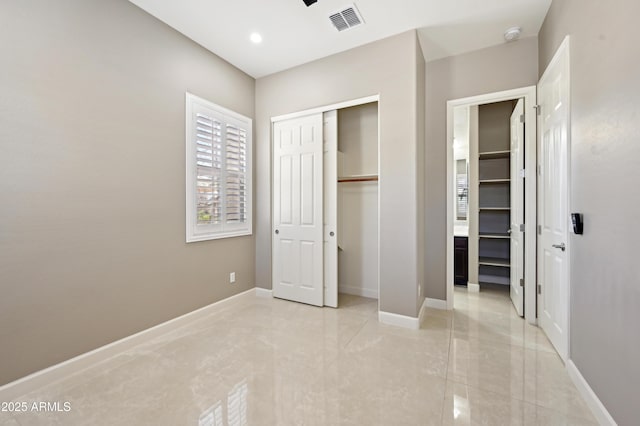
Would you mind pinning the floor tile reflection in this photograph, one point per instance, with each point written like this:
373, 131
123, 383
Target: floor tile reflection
264, 361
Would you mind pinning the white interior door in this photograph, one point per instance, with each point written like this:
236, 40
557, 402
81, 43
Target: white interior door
297, 210
517, 207
553, 220
330, 166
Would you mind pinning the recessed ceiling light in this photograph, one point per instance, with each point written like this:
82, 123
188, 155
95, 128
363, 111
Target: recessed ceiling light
256, 38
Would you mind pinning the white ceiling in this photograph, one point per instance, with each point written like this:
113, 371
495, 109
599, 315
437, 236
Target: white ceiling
295, 34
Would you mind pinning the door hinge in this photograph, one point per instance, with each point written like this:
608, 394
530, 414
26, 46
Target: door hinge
539, 289
521, 282
539, 229
538, 109
522, 227
523, 173
539, 170
522, 118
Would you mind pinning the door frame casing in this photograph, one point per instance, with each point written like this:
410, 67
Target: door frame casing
529, 94
322, 109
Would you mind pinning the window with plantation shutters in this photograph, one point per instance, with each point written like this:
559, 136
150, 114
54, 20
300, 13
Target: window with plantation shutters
218, 151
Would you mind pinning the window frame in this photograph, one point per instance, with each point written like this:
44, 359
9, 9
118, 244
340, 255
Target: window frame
194, 231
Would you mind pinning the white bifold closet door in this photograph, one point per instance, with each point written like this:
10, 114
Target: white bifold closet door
298, 226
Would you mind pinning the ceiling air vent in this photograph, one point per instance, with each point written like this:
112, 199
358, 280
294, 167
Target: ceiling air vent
347, 18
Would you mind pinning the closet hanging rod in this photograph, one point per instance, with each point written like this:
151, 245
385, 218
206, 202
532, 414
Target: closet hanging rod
358, 179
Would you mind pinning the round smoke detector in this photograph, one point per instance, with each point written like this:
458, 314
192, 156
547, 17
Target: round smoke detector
512, 34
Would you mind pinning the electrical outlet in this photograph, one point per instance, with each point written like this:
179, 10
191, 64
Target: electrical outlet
232, 277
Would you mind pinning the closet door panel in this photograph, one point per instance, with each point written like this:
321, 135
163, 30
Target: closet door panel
286, 190
307, 187
286, 254
297, 202
308, 258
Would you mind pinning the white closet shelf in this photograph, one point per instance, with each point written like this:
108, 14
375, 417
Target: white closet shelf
496, 236
358, 178
494, 261
494, 279
494, 154
495, 181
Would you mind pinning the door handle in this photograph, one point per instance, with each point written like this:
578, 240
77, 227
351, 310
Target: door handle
277, 231
560, 246
331, 234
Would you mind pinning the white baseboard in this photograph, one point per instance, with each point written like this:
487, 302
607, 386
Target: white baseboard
264, 292
423, 311
597, 407
473, 288
56, 372
435, 304
399, 320
430, 303
358, 291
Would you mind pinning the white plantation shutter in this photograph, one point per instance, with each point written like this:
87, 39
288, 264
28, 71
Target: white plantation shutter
218, 171
208, 169
462, 196
236, 174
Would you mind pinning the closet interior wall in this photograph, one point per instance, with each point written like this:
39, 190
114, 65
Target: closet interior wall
358, 200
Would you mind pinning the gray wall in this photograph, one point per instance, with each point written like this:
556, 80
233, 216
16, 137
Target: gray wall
92, 222
358, 139
503, 67
494, 126
387, 67
605, 147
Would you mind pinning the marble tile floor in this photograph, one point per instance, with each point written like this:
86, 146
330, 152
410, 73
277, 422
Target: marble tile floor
260, 361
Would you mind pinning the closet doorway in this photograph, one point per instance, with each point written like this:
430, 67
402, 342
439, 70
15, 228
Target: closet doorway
326, 202
491, 196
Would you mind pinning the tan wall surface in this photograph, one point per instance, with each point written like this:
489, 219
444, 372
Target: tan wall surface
503, 67
605, 147
386, 67
358, 139
92, 197
494, 130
